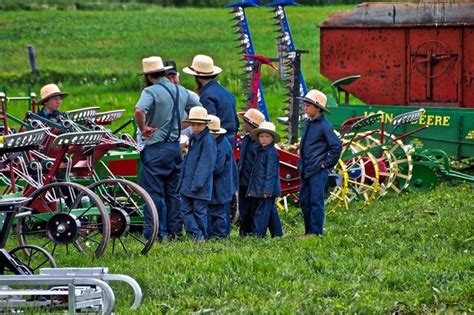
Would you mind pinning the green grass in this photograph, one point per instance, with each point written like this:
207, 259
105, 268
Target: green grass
408, 254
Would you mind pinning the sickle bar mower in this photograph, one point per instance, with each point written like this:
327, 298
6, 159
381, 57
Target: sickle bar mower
246, 46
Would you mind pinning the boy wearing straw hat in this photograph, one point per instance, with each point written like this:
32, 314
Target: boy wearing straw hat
51, 98
248, 152
158, 116
196, 177
225, 182
214, 97
319, 152
264, 184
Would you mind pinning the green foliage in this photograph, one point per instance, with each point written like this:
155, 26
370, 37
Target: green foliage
403, 254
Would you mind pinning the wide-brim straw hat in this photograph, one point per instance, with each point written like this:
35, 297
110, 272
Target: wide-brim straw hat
202, 66
253, 116
266, 127
197, 114
316, 98
214, 125
50, 90
153, 64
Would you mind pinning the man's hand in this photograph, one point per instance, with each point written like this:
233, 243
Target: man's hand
148, 131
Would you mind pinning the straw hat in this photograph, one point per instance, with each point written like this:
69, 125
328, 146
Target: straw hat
267, 127
253, 116
153, 64
215, 125
197, 114
316, 98
50, 90
202, 66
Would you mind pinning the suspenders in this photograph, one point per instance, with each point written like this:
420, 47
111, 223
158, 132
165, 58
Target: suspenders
175, 113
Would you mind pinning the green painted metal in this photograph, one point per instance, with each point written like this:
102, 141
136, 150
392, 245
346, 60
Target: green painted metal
450, 129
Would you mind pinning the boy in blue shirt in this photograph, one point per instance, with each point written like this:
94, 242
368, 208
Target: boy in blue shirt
264, 183
196, 176
225, 182
319, 152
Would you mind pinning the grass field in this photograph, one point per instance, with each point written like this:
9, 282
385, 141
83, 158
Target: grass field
410, 253
405, 254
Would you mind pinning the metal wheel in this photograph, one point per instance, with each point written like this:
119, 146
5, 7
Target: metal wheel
363, 176
65, 217
402, 166
336, 197
127, 202
31, 258
386, 164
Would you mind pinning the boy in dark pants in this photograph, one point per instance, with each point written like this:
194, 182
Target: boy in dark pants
225, 182
196, 176
319, 152
252, 118
264, 183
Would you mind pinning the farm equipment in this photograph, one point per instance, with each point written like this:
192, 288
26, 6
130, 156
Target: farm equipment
74, 154
54, 289
426, 65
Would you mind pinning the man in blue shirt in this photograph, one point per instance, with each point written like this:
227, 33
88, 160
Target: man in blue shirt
158, 116
319, 152
213, 96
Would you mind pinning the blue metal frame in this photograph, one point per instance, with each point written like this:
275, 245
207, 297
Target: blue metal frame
249, 49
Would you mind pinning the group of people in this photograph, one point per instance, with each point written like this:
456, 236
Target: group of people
195, 191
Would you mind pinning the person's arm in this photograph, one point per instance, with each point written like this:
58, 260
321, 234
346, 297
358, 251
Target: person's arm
209, 104
219, 167
270, 178
142, 107
335, 148
205, 166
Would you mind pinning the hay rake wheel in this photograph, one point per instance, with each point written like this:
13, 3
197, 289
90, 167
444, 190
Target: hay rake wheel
363, 176
65, 217
127, 201
398, 156
31, 258
337, 197
385, 161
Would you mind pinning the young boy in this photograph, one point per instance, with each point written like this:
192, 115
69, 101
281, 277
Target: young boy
196, 175
225, 182
319, 152
248, 151
264, 183
252, 118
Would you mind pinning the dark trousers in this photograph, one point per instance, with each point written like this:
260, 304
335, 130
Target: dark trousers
261, 209
159, 176
312, 202
219, 216
194, 213
274, 224
245, 217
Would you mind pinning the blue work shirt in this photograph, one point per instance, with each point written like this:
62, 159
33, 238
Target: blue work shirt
265, 177
198, 167
157, 103
248, 152
319, 145
51, 116
221, 103
226, 181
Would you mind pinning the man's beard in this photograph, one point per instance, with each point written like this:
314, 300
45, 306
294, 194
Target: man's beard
199, 84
